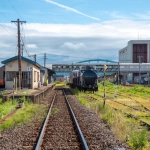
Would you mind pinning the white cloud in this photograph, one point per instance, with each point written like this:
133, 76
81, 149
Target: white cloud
113, 15
99, 40
5, 45
111, 29
143, 16
72, 46
71, 9
32, 46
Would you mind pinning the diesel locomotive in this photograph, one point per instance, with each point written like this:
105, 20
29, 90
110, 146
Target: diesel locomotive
84, 80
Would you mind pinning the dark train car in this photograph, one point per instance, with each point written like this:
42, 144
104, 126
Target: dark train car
84, 80
74, 79
89, 80
2, 77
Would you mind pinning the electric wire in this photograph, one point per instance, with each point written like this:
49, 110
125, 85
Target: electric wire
25, 47
7, 30
3, 26
4, 15
27, 35
23, 39
66, 56
15, 9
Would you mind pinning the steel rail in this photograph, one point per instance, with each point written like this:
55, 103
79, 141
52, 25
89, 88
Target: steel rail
82, 139
38, 145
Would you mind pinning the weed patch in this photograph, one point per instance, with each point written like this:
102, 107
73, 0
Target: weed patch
54, 111
59, 84
139, 139
126, 129
6, 108
23, 115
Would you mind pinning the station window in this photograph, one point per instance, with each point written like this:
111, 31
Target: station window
37, 76
10, 75
34, 76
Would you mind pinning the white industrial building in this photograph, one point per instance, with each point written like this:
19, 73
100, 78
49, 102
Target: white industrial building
136, 51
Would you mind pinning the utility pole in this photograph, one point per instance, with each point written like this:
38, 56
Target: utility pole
105, 68
19, 51
35, 57
140, 68
118, 73
45, 59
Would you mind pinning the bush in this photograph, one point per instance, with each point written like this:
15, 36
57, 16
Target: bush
139, 139
75, 91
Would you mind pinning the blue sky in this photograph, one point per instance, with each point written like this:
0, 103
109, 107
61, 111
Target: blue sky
80, 29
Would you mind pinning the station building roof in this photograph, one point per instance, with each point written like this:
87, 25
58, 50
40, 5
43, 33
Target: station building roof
22, 58
29, 61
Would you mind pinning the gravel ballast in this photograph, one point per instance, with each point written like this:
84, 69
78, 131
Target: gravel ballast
96, 132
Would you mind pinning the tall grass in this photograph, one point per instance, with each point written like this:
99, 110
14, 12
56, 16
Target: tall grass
123, 127
7, 107
23, 115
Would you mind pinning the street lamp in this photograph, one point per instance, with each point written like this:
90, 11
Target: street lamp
105, 67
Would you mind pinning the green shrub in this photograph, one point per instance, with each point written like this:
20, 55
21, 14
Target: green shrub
139, 139
7, 107
45, 80
75, 91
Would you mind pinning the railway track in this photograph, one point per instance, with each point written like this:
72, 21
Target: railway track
143, 123
132, 107
130, 97
60, 129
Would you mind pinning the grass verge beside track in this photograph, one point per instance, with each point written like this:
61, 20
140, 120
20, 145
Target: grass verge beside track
60, 84
24, 115
126, 129
6, 108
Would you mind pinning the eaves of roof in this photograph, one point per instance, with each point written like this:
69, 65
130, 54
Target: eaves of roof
50, 70
22, 58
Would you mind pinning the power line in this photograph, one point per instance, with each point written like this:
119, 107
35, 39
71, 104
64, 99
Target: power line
27, 33
25, 47
70, 56
14, 9
64, 55
23, 41
7, 31
24, 38
4, 15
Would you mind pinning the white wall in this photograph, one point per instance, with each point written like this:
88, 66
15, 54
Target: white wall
13, 66
127, 56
